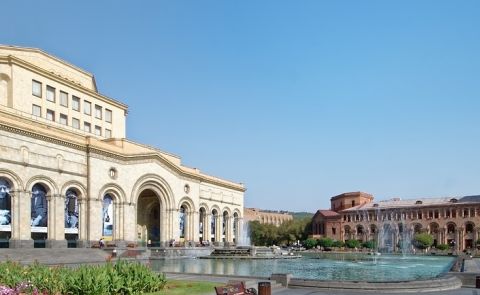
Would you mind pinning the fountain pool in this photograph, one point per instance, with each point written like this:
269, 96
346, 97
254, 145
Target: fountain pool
334, 267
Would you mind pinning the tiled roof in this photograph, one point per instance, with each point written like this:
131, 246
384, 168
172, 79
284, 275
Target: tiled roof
420, 202
328, 213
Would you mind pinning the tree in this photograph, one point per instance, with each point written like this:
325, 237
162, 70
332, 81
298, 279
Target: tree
369, 244
325, 242
338, 244
352, 244
310, 243
422, 240
442, 247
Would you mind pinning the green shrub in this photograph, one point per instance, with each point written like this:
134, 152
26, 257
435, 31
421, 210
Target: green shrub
352, 244
119, 278
423, 240
310, 243
442, 247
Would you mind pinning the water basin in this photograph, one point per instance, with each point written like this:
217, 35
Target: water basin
334, 267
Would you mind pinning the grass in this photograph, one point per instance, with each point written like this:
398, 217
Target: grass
179, 287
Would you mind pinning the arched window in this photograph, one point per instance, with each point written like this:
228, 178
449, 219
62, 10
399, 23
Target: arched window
469, 228
451, 228
5, 202
107, 215
182, 216
39, 213
71, 209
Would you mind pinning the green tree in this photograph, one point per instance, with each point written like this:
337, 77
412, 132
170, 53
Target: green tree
369, 244
442, 247
338, 244
310, 243
352, 244
422, 240
325, 242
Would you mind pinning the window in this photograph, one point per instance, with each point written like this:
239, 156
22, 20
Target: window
75, 103
50, 93
63, 119
87, 107
108, 115
108, 133
75, 123
98, 130
50, 115
63, 99
36, 88
36, 110
86, 127
98, 112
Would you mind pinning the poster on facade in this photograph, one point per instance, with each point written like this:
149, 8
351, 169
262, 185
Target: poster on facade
107, 216
39, 212
5, 206
71, 212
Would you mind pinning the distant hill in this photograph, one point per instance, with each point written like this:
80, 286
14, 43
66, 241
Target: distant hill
301, 215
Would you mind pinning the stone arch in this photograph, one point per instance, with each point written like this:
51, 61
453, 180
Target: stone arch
187, 220
469, 227
215, 226
187, 201
49, 184
77, 185
433, 228
417, 228
154, 181
117, 194
164, 220
115, 190
451, 227
43, 191
16, 183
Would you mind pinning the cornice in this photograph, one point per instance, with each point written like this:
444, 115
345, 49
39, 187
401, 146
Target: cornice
167, 163
29, 66
121, 157
35, 135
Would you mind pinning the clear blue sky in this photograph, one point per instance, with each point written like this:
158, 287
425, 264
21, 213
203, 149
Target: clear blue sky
299, 100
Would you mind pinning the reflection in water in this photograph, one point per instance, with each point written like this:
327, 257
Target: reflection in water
384, 268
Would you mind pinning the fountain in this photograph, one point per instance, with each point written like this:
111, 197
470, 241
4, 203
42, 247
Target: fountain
245, 250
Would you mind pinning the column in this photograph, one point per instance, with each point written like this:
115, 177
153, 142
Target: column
218, 229
21, 231
82, 224
207, 227
229, 230
56, 221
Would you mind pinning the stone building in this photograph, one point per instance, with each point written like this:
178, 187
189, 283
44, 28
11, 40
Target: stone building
68, 175
454, 221
266, 216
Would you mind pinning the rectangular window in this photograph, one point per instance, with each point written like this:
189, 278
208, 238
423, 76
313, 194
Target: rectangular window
75, 123
50, 93
108, 133
36, 88
63, 99
98, 112
50, 115
76, 103
87, 107
98, 130
86, 127
63, 119
36, 110
108, 115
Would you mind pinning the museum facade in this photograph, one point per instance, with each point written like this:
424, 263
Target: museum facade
69, 176
454, 221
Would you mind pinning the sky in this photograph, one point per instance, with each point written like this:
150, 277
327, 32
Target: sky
298, 100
